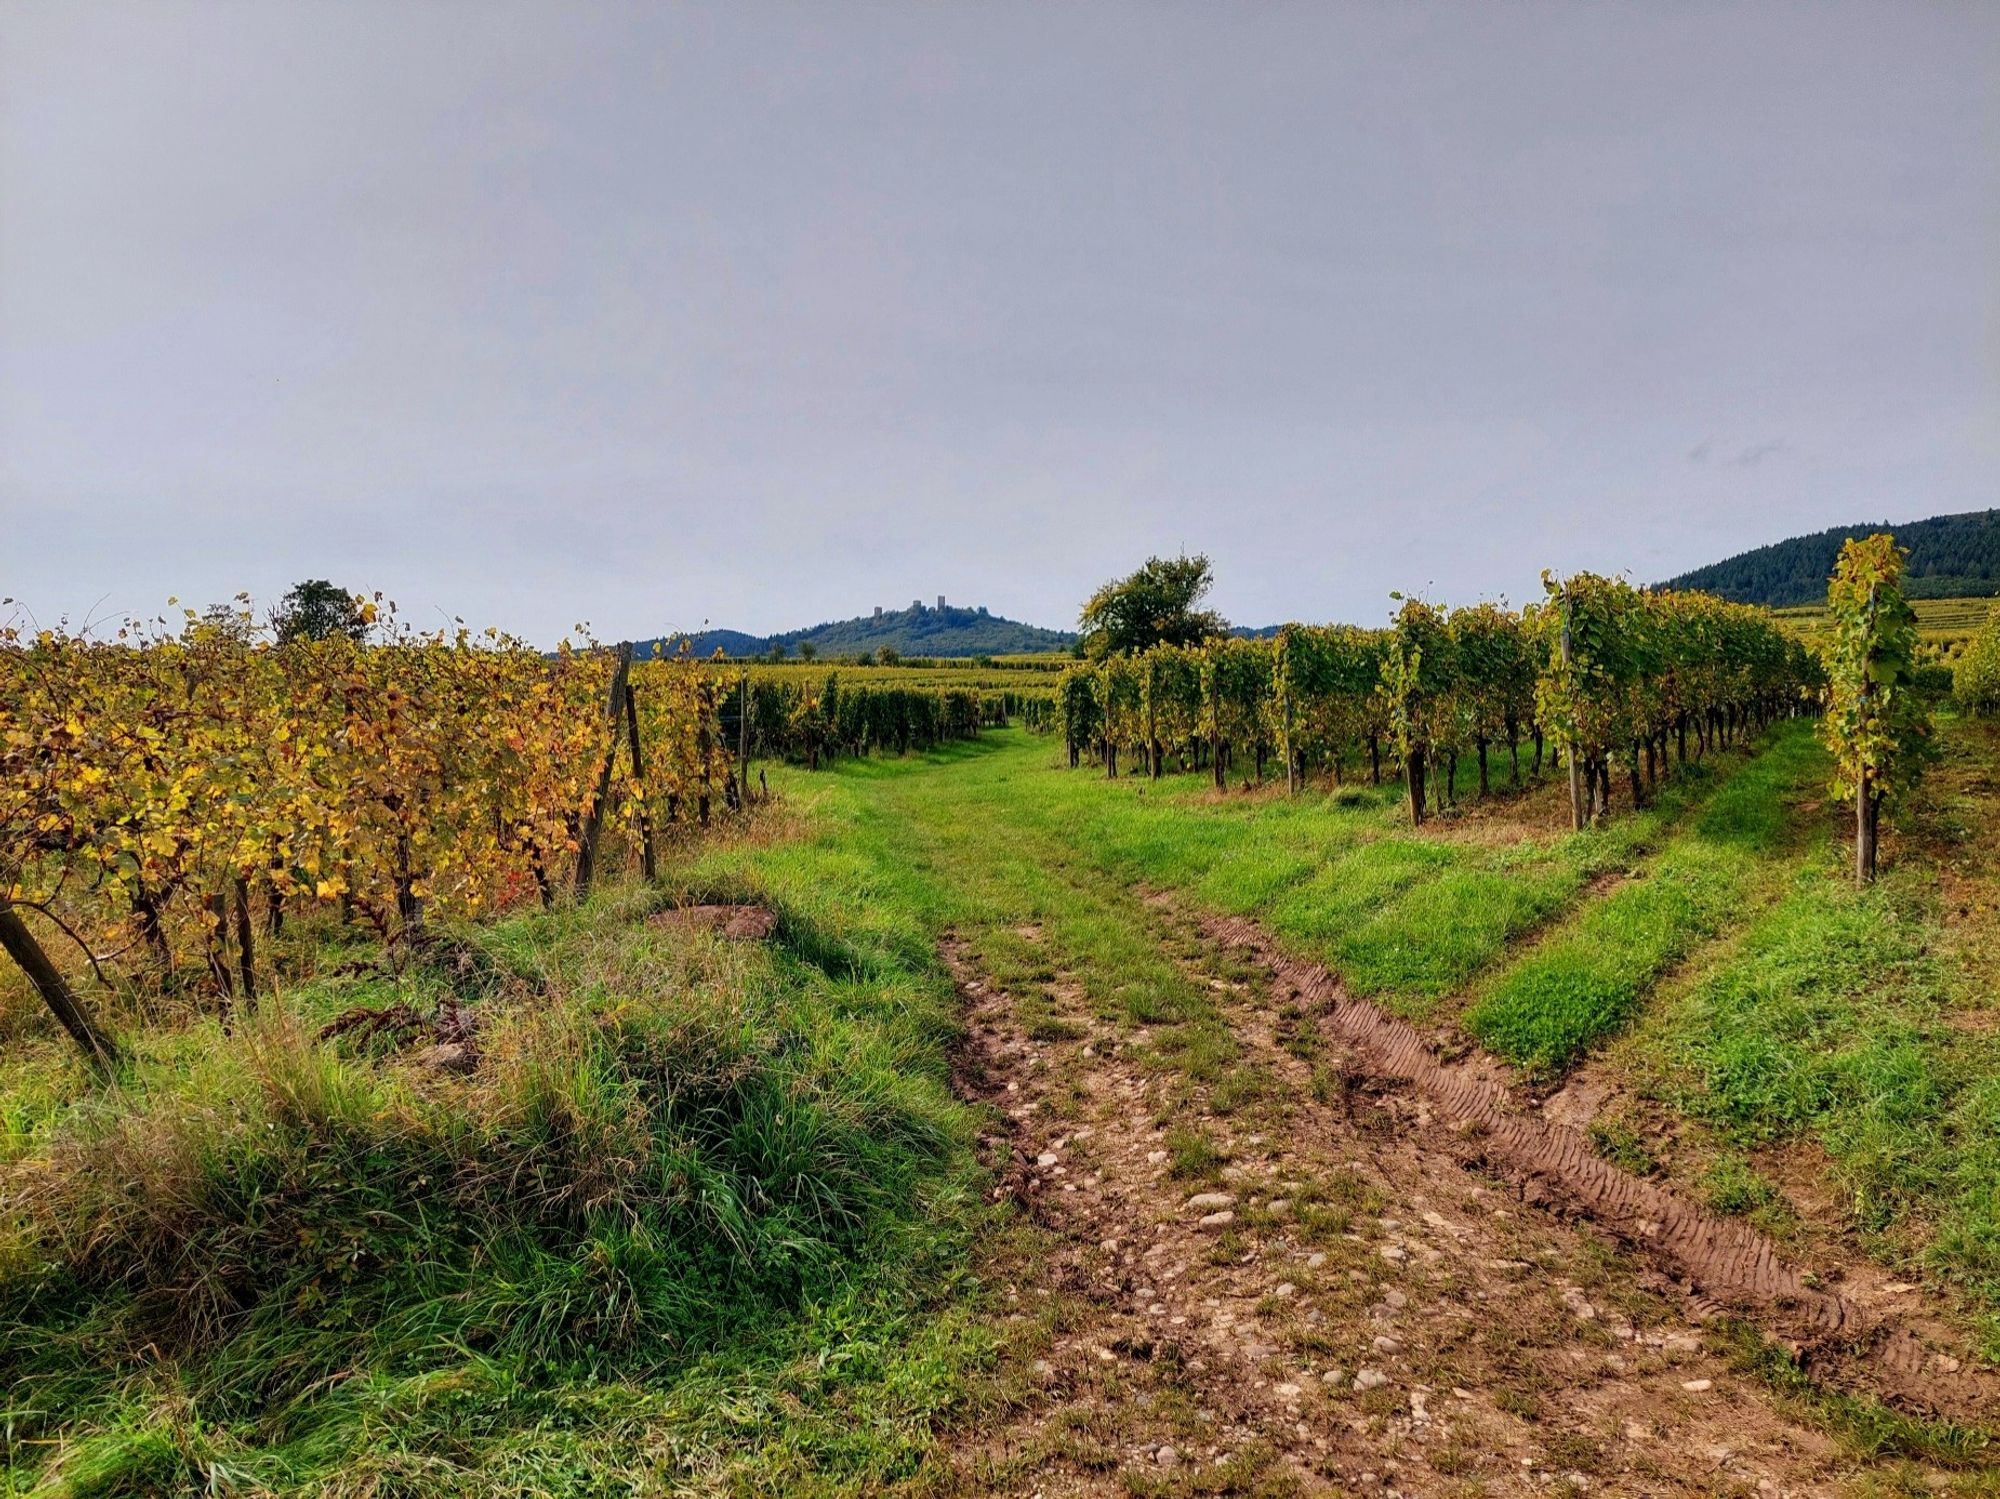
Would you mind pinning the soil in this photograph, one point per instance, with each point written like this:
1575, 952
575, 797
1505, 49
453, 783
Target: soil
737, 923
1719, 1259
1349, 1267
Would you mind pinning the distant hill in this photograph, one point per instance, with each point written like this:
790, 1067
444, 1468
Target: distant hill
729, 642
919, 630
1951, 556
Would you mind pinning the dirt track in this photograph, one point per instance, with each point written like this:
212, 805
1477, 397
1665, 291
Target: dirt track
1340, 1305
1720, 1259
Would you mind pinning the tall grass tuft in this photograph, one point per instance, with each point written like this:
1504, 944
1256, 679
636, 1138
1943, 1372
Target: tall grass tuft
669, 1141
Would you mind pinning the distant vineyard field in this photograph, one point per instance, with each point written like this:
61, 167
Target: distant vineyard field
986, 668
1943, 622
936, 675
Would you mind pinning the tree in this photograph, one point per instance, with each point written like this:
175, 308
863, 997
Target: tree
317, 610
807, 650
1877, 722
1157, 605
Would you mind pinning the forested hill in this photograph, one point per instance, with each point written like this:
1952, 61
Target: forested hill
1951, 556
919, 630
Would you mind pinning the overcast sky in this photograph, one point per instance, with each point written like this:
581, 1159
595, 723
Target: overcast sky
761, 315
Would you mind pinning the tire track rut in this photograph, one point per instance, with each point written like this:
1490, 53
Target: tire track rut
1721, 1260
1375, 1319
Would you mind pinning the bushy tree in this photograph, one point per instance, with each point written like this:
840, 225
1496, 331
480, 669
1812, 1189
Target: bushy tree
318, 610
1877, 721
1157, 605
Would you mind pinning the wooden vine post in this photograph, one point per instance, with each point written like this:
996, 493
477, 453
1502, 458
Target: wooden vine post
246, 950
54, 989
1569, 744
648, 858
1213, 683
1867, 801
743, 734
1281, 682
217, 907
704, 740
593, 822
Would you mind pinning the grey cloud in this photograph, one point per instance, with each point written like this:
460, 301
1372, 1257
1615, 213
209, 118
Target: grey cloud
764, 313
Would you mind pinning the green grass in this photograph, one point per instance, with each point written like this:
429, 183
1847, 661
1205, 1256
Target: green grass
990, 834
1834, 1021
1037, 868
704, 1209
1193, 1156
1547, 1009
1858, 1022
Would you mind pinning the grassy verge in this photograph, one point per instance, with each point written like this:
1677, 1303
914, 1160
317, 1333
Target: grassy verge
1571, 991
912, 849
1836, 1022
699, 1216
1338, 875
1859, 1024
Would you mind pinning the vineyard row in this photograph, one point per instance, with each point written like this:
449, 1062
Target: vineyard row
167, 802
1608, 673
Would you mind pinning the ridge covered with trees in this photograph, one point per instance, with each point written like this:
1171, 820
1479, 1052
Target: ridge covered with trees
1950, 556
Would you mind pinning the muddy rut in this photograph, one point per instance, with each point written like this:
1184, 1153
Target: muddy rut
1722, 1261
1328, 1302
